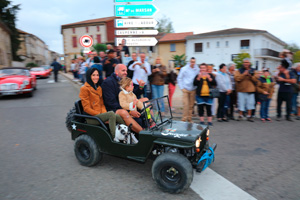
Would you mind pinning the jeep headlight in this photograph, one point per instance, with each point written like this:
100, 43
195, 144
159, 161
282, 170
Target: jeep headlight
207, 132
197, 143
26, 82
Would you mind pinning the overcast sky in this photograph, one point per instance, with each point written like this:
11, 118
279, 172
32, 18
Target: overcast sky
280, 18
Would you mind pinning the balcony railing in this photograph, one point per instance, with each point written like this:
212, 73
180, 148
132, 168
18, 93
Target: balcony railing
266, 52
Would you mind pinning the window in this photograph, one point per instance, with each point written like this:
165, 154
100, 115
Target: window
198, 47
218, 44
98, 28
99, 38
172, 47
74, 41
245, 44
73, 29
152, 49
227, 44
207, 45
87, 29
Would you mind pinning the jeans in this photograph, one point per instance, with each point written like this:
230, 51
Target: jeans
158, 91
264, 108
294, 103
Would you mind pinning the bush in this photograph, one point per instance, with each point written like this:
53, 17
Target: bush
30, 65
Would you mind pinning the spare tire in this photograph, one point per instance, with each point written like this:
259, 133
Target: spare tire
70, 117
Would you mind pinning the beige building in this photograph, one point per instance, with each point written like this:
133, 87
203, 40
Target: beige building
171, 44
102, 30
5, 46
33, 49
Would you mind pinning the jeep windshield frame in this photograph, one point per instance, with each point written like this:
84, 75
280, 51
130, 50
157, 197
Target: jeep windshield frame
157, 112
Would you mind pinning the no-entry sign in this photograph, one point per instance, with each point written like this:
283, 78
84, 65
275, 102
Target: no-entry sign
86, 41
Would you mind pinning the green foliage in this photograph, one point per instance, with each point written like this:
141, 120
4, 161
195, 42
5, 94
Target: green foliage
81, 53
8, 14
239, 59
31, 64
99, 47
75, 56
292, 47
179, 60
165, 25
296, 57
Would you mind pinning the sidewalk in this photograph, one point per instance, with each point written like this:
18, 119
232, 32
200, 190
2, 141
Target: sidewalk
178, 105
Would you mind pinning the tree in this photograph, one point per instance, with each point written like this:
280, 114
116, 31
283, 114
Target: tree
165, 25
99, 47
8, 14
179, 60
239, 59
292, 47
296, 57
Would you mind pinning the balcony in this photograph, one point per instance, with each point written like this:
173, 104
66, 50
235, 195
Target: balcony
266, 53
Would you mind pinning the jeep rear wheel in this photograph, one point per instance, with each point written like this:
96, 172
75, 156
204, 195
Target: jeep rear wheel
172, 172
87, 151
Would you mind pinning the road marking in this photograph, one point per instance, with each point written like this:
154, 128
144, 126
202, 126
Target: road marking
209, 185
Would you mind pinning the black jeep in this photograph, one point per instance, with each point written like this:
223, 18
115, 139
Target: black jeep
176, 147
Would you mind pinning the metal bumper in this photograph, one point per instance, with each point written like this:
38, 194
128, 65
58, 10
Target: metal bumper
207, 158
13, 92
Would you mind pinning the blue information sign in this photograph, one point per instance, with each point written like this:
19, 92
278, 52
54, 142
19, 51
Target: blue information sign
120, 1
135, 10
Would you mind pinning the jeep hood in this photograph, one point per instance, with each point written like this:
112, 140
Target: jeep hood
180, 131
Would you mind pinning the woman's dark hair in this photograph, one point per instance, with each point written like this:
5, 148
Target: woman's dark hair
222, 65
96, 59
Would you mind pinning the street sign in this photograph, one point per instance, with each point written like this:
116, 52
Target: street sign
121, 1
132, 23
86, 41
136, 32
137, 41
135, 10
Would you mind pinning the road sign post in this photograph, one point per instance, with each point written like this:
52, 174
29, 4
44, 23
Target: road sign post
136, 32
137, 41
134, 23
135, 10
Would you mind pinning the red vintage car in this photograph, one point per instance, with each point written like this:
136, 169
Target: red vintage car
40, 72
16, 80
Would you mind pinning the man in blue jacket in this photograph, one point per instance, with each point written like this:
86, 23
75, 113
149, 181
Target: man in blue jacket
56, 67
110, 92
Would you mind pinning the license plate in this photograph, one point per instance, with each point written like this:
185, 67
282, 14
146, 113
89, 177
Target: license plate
8, 93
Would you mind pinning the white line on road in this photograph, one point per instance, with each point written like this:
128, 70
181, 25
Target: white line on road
209, 185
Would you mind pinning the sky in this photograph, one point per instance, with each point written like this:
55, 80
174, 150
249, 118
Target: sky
280, 18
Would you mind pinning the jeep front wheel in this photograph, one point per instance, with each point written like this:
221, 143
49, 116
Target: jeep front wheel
87, 151
172, 172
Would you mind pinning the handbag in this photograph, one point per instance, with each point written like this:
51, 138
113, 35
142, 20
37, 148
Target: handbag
214, 92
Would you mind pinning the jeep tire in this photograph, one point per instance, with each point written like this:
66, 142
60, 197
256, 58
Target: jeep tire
87, 151
70, 117
172, 172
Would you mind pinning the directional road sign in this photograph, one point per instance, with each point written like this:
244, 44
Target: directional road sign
136, 32
120, 1
132, 23
135, 10
137, 41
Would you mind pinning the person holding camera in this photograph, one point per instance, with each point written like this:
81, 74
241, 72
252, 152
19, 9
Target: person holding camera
245, 79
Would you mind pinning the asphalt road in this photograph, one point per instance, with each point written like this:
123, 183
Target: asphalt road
37, 160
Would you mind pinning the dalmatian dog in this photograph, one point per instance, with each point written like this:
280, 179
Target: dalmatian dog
123, 133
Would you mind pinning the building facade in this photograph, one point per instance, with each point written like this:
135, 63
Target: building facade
172, 44
33, 49
223, 46
102, 30
5, 46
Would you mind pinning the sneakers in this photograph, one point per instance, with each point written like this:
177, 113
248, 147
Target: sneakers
289, 119
240, 118
298, 118
210, 124
250, 119
278, 119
